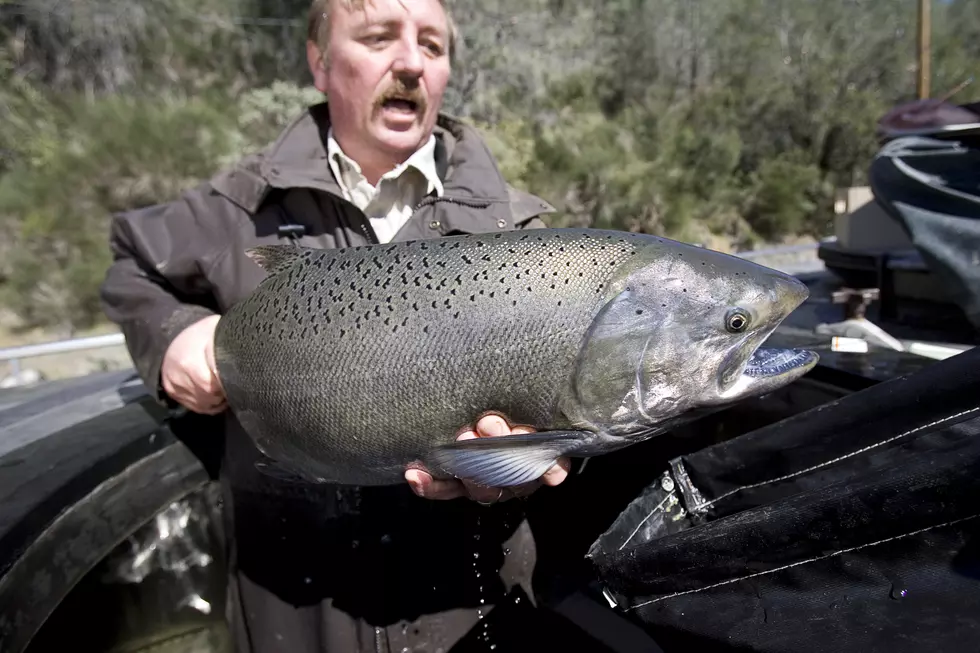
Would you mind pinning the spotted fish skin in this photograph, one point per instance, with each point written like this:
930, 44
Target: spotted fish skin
349, 364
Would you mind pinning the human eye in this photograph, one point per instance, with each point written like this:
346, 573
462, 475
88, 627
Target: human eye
433, 45
375, 39
377, 36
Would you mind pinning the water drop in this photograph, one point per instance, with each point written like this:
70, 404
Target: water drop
898, 593
307, 580
517, 599
406, 650
476, 536
477, 574
506, 551
493, 647
482, 601
476, 555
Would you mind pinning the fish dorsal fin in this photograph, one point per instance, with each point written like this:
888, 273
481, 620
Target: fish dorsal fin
273, 258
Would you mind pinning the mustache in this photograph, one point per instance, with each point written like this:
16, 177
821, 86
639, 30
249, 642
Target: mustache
400, 91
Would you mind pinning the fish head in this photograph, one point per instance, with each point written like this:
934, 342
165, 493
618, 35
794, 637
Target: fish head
681, 336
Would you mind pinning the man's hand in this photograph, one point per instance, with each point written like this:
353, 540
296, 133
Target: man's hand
925, 113
188, 373
425, 486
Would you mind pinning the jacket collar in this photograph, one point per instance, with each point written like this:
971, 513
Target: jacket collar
298, 158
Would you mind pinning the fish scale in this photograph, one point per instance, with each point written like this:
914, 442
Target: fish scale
410, 341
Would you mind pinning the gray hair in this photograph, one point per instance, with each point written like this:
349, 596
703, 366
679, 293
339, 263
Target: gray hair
318, 26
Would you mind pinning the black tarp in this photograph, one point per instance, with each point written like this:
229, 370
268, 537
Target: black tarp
854, 526
931, 186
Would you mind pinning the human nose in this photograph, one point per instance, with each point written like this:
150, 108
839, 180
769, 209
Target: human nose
409, 61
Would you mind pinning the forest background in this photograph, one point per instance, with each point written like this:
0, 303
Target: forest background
724, 122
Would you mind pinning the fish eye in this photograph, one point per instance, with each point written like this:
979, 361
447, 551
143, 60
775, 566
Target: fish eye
736, 321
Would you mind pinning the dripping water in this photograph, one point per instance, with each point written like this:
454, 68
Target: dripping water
481, 594
898, 593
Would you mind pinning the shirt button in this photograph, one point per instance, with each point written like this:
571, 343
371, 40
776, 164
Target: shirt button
434, 224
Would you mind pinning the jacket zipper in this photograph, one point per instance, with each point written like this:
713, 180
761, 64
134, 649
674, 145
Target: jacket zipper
473, 204
367, 231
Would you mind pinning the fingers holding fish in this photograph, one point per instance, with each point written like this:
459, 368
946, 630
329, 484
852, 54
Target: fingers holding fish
558, 473
188, 373
427, 487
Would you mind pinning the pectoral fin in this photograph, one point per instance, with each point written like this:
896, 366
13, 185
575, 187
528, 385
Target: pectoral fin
507, 460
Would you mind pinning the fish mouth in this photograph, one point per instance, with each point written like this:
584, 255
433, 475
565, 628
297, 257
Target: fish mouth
768, 363
767, 369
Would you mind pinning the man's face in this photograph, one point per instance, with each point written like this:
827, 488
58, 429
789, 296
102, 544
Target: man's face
386, 71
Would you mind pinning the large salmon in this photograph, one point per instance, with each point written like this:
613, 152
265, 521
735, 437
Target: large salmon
349, 365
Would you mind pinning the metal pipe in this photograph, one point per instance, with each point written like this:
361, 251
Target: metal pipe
61, 346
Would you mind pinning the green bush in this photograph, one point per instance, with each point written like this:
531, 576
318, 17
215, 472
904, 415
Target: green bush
85, 161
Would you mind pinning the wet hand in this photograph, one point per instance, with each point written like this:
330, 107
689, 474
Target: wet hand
188, 374
425, 486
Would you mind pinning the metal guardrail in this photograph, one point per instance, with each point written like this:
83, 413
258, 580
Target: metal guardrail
14, 355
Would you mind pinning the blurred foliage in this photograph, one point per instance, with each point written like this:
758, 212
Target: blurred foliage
724, 122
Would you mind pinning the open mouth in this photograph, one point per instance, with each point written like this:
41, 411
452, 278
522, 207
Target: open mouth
400, 105
777, 362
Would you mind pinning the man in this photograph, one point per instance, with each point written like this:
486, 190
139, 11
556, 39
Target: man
335, 568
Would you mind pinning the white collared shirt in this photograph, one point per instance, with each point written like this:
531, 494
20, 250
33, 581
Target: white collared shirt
390, 204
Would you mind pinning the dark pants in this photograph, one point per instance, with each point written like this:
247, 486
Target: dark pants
366, 569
